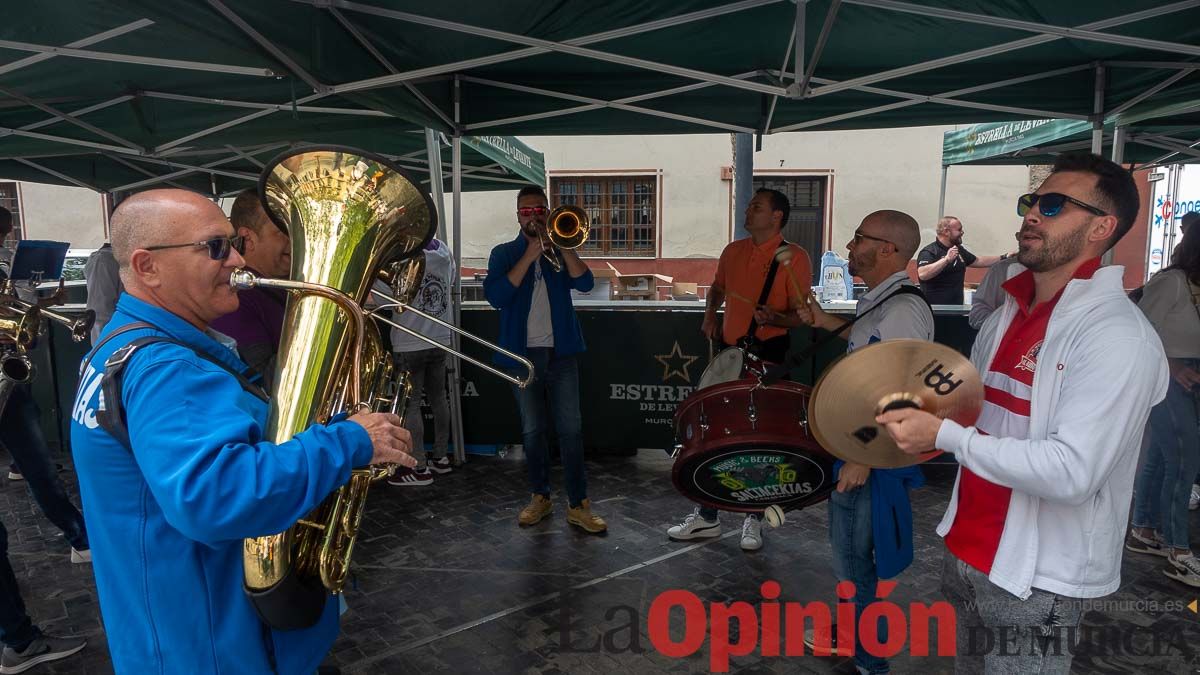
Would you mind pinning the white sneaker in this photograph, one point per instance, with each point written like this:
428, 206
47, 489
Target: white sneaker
1185, 568
695, 527
751, 534
1194, 500
84, 556
439, 466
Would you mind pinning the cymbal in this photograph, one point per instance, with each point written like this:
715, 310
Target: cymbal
886, 376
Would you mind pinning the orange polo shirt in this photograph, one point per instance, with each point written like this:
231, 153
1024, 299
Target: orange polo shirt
741, 272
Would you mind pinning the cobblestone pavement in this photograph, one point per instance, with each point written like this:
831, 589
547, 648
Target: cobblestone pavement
445, 581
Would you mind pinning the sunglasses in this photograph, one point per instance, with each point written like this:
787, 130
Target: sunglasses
527, 211
859, 236
1051, 203
218, 249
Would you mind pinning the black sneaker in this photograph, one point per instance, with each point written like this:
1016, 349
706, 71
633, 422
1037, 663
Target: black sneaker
406, 477
14, 472
43, 649
439, 466
1152, 545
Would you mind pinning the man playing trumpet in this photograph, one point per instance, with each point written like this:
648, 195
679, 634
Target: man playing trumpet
537, 320
763, 278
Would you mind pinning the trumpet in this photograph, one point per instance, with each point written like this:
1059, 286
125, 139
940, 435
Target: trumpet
566, 227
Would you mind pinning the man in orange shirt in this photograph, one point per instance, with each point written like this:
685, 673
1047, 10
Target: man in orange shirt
760, 328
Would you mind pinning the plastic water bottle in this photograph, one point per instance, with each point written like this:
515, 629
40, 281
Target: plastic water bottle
836, 283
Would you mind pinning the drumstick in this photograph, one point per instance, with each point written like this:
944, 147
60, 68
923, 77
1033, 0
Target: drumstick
737, 296
785, 260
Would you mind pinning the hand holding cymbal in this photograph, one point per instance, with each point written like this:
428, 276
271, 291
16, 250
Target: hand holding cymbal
882, 405
913, 431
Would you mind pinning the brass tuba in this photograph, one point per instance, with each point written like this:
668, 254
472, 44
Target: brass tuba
353, 218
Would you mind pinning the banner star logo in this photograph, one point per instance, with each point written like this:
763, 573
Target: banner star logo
676, 363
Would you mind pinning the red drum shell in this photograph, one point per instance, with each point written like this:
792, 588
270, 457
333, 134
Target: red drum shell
756, 450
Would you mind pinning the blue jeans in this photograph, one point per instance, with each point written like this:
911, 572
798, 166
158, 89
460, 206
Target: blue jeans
1164, 482
21, 435
553, 391
853, 543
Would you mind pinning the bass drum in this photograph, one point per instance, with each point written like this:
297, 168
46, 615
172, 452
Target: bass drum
743, 446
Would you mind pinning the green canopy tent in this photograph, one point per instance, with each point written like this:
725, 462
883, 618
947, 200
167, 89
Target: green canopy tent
489, 163
155, 79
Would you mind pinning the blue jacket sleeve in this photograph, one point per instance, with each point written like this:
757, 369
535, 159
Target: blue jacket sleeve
189, 425
584, 282
498, 290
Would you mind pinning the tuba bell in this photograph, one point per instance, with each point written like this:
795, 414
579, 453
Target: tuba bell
354, 218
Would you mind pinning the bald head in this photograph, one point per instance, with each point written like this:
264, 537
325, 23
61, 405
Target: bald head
900, 228
154, 218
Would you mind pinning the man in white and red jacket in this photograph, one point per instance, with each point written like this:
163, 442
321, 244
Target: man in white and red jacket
1071, 369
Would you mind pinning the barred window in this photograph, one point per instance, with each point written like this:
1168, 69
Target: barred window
623, 212
11, 200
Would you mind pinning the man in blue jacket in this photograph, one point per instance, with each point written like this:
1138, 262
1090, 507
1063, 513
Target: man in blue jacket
537, 320
168, 512
870, 518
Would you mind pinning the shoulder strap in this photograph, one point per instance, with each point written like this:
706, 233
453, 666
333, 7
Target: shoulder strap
768, 283
111, 415
795, 359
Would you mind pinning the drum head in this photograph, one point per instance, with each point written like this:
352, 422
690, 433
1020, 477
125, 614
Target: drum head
726, 366
749, 478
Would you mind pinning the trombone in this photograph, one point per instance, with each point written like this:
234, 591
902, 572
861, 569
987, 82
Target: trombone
566, 227
404, 278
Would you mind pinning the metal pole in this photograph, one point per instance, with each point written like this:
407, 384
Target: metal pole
1118, 147
1118, 156
942, 192
743, 181
433, 152
460, 451
1098, 113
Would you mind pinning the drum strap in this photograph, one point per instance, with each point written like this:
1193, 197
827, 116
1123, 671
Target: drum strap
750, 337
777, 372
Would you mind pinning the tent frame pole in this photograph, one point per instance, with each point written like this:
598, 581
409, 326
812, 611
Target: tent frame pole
85, 42
56, 174
370, 47
1149, 92
1080, 33
944, 95
600, 103
1098, 112
942, 191
82, 111
996, 49
459, 66
460, 450
268, 46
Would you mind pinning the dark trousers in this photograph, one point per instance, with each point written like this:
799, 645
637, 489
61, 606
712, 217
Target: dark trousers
21, 435
16, 628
